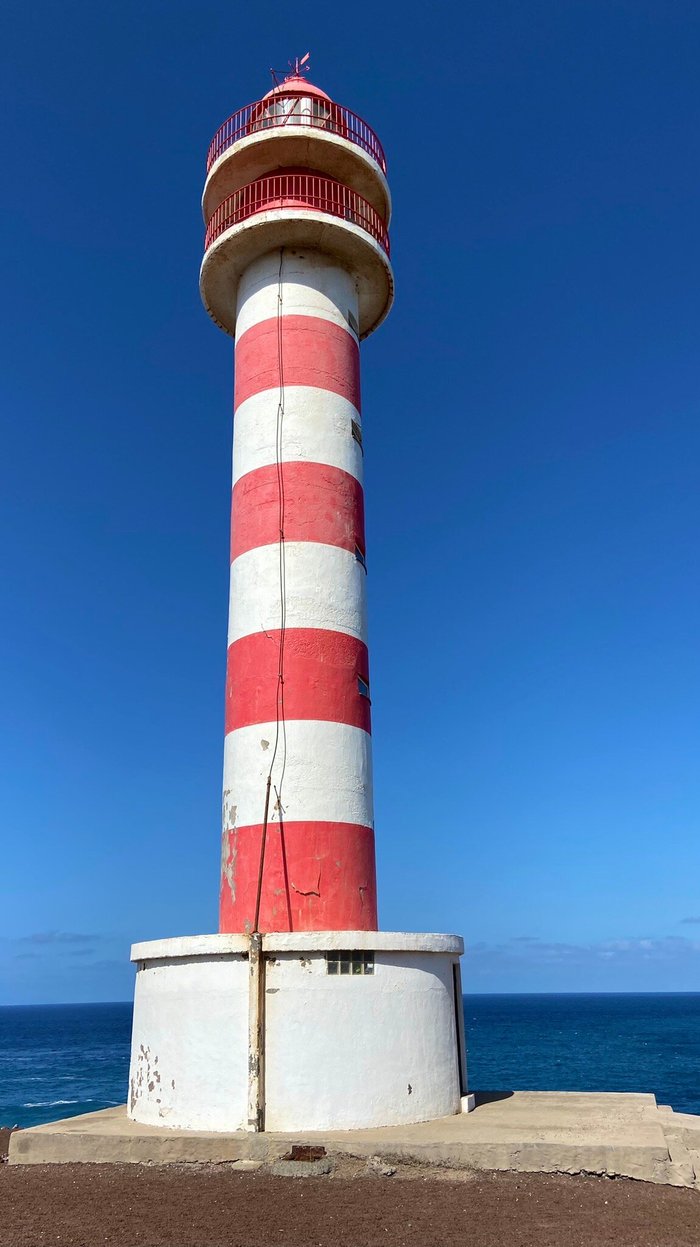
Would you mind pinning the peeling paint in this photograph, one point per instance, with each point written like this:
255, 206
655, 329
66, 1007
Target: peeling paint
316, 891
229, 810
229, 857
146, 1077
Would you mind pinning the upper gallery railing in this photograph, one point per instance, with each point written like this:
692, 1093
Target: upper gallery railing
291, 110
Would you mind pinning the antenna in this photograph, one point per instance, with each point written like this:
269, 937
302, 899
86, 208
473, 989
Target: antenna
296, 69
300, 67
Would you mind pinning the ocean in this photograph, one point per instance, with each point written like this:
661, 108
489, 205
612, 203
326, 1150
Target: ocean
60, 1060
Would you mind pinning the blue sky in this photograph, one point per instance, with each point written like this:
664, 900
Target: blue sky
532, 446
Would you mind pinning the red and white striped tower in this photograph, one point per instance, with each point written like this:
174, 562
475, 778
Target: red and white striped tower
297, 269
298, 1014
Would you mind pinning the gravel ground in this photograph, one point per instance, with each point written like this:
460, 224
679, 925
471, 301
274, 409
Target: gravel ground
218, 1206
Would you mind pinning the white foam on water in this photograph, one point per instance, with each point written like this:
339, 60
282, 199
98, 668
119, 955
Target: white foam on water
52, 1103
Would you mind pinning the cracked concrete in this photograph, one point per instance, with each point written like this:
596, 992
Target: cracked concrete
611, 1134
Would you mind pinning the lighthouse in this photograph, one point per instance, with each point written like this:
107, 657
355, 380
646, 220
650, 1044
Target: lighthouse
299, 1014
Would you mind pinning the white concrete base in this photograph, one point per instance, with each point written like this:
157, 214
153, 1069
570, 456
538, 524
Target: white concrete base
381, 1045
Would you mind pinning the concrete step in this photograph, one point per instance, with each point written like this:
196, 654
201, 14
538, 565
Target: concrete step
551, 1132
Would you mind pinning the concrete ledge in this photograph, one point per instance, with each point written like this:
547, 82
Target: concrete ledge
614, 1135
227, 258
372, 941
190, 946
287, 146
299, 942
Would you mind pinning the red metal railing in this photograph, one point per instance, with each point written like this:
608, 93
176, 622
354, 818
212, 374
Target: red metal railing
297, 190
281, 110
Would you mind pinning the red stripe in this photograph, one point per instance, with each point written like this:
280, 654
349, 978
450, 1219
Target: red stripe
314, 352
317, 877
320, 503
320, 678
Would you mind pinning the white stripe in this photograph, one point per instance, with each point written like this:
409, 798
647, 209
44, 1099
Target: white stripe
325, 588
327, 776
316, 427
313, 284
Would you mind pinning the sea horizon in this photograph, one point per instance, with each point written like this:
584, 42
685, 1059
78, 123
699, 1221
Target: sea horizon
76, 1004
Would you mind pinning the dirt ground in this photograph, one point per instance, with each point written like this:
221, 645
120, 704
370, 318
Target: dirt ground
218, 1206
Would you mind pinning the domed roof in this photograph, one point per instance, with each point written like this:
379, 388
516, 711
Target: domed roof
296, 84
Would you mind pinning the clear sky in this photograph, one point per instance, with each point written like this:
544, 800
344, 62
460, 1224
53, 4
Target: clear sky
532, 450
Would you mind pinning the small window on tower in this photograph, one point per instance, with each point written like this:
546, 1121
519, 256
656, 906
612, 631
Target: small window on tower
357, 433
349, 963
360, 556
363, 687
352, 321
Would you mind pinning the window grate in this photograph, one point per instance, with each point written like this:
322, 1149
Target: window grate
348, 962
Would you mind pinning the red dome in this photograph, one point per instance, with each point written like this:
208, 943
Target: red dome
295, 84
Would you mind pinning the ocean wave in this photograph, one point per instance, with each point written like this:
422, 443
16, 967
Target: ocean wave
52, 1103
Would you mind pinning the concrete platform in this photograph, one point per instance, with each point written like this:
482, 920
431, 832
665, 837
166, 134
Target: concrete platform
614, 1135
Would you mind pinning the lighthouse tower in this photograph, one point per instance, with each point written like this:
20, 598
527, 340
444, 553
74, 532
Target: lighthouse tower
299, 1013
297, 270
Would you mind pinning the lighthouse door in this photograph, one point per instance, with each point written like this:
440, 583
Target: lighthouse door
459, 1027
